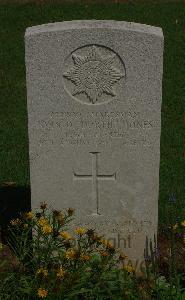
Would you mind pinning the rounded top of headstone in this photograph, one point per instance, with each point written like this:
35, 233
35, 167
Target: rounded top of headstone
90, 24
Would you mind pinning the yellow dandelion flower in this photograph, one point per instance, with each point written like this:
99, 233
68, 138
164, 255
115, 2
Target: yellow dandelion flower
65, 235
80, 230
46, 229
110, 246
61, 272
106, 243
70, 254
103, 241
122, 256
85, 257
42, 293
103, 253
15, 222
129, 268
30, 215
42, 221
175, 226
183, 223
42, 271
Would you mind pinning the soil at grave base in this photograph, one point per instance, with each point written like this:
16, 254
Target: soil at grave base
163, 256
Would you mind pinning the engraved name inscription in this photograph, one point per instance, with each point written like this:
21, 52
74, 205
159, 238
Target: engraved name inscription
76, 128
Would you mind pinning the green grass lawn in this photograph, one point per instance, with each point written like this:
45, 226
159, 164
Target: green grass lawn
14, 162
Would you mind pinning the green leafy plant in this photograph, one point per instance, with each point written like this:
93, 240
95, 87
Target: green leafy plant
49, 258
54, 262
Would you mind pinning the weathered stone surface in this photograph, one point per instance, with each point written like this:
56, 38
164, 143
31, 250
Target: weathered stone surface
94, 108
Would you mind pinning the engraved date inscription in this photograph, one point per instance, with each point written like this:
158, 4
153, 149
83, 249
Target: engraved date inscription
97, 128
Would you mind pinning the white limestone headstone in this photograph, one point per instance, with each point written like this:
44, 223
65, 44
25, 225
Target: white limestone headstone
94, 91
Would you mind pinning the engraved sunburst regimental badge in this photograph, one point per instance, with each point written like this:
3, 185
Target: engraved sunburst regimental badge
93, 74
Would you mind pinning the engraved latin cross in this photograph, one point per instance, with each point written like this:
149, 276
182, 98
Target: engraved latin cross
95, 177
